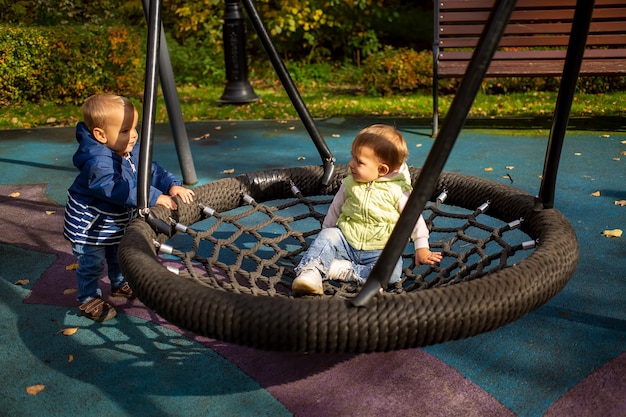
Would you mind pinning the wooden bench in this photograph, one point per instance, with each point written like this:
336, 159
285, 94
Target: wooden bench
534, 43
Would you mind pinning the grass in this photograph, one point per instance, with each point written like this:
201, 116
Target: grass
200, 104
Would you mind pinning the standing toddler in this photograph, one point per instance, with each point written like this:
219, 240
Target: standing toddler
103, 198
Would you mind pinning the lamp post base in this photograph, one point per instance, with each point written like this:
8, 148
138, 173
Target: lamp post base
238, 92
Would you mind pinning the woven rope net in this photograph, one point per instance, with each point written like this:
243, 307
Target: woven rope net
225, 268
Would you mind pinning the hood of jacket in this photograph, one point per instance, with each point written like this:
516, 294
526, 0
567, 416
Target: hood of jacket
88, 147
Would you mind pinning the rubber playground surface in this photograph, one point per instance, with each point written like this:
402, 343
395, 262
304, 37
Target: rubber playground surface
566, 358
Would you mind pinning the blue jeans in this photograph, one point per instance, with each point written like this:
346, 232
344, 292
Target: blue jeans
331, 244
90, 260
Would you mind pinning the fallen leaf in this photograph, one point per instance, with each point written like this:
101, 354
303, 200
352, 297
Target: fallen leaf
620, 203
292, 128
612, 233
418, 145
301, 158
69, 331
35, 389
616, 159
51, 120
228, 171
336, 135
70, 358
605, 136
622, 153
71, 267
14, 195
577, 153
206, 135
55, 321
510, 167
623, 142
595, 194
49, 212
22, 282
488, 169
69, 291
218, 127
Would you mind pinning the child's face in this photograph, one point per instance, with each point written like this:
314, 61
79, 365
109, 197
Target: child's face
120, 132
365, 165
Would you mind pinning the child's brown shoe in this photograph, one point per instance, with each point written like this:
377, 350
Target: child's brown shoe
98, 310
124, 291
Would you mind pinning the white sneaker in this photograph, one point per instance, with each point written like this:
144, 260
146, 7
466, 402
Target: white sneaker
341, 270
309, 281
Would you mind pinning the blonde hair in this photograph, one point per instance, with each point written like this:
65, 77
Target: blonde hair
387, 143
98, 107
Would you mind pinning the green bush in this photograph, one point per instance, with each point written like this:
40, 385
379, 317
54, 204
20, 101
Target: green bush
404, 70
585, 84
196, 63
400, 70
67, 64
397, 70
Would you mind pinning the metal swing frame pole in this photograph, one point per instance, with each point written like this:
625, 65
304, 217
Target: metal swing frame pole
567, 88
172, 103
149, 108
327, 157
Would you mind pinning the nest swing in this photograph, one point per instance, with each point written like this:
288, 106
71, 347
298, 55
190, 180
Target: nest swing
222, 268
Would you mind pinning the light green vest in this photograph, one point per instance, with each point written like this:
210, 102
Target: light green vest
370, 210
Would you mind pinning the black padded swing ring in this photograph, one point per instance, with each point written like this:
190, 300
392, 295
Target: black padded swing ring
332, 324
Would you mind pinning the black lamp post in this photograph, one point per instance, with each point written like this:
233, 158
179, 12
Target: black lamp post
238, 89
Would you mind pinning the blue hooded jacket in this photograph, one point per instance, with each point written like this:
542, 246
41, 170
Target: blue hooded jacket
103, 198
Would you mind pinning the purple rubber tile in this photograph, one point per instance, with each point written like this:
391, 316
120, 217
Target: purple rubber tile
603, 393
401, 383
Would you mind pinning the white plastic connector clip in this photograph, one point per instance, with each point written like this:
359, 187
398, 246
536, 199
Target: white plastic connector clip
294, 190
207, 210
165, 248
248, 199
442, 197
484, 206
173, 269
179, 226
516, 223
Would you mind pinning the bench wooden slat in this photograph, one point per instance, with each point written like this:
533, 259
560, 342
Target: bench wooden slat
446, 31
530, 15
530, 41
521, 4
535, 55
